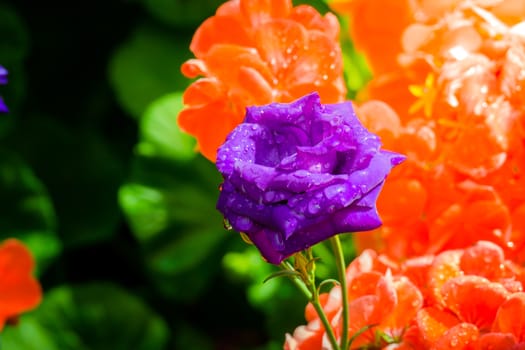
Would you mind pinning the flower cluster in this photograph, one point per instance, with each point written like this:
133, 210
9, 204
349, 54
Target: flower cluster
454, 88
470, 298
252, 53
444, 270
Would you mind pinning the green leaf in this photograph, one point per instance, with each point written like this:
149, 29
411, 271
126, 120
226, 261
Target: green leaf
276, 298
159, 133
29, 334
147, 66
170, 207
14, 37
26, 211
97, 316
82, 174
182, 12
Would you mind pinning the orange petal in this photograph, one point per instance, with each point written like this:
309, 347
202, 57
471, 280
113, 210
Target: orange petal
225, 27
319, 66
363, 284
433, 323
484, 259
497, 341
376, 28
309, 337
381, 119
444, 268
225, 61
409, 302
417, 269
258, 12
209, 132
474, 299
312, 20
460, 337
511, 317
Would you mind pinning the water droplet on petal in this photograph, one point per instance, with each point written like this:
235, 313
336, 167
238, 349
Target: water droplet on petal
314, 206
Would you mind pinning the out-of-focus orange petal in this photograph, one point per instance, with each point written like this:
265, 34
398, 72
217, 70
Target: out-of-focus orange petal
311, 19
409, 302
19, 290
258, 12
444, 268
403, 200
376, 28
483, 259
433, 323
381, 119
463, 336
511, 317
496, 341
363, 284
416, 270
474, 299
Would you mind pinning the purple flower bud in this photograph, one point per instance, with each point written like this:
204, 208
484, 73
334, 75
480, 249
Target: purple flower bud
3, 81
298, 173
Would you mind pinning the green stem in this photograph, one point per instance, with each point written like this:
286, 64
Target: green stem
312, 295
341, 270
322, 316
297, 281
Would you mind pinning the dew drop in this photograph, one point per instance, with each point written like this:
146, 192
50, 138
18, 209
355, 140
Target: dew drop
276, 240
314, 206
454, 342
301, 173
325, 77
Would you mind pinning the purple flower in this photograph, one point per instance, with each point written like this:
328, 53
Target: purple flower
296, 174
3, 81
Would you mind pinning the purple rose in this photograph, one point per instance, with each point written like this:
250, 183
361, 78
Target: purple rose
3, 80
296, 174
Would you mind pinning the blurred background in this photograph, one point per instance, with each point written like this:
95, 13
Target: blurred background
108, 194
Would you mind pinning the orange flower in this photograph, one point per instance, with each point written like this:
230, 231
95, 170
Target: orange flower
459, 299
20, 291
255, 52
376, 27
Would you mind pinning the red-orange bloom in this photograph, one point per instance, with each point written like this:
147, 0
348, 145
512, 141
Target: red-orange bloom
19, 290
455, 81
252, 53
459, 299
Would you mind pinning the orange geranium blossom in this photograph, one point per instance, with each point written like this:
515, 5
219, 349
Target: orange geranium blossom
19, 290
458, 299
428, 206
252, 53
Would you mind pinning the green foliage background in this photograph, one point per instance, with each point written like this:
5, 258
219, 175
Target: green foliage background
118, 210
